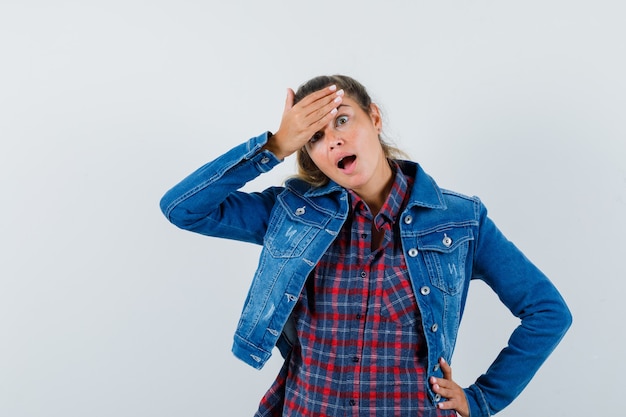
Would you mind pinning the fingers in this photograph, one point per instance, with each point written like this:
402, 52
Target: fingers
319, 107
289, 100
313, 112
321, 112
454, 395
300, 121
445, 368
447, 388
329, 91
443, 388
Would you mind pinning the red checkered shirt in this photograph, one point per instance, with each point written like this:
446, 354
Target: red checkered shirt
360, 349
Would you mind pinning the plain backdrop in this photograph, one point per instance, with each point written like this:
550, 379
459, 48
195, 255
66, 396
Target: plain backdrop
108, 310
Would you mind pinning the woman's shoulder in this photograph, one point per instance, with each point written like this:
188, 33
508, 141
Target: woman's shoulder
426, 192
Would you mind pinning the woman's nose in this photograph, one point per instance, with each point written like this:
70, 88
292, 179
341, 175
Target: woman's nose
334, 140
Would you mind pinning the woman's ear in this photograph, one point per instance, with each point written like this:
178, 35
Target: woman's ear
376, 117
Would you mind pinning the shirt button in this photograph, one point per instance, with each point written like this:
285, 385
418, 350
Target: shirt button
359, 316
434, 327
363, 274
408, 219
412, 252
265, 160
352, 402
425, 290
355, 359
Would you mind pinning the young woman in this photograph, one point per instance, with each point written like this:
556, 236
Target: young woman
365, 268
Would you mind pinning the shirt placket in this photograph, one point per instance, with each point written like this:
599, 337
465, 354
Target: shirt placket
361, 235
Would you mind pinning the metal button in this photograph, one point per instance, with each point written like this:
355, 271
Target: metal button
425, 290
265, 160
434, 327
436, 368
412, 252
437, 397
447, 241
408, 219
300, 211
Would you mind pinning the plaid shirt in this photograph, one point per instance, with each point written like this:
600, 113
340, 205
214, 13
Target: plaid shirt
360, 349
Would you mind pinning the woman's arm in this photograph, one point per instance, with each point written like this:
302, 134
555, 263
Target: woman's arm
530, 296
207, 201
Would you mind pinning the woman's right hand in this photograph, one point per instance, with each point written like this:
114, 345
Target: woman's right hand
300, 122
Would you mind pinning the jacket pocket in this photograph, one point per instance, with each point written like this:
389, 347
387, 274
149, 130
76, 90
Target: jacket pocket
445, 255
293, 225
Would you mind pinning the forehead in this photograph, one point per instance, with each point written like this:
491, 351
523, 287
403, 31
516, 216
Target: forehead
349, 103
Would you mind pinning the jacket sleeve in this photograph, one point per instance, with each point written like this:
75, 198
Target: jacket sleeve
208, 201
531, 297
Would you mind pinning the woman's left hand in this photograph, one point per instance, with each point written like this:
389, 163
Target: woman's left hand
449, 389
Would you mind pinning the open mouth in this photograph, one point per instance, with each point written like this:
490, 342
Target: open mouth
346, 161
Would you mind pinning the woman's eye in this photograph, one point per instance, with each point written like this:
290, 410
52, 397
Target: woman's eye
317, 136
341, 120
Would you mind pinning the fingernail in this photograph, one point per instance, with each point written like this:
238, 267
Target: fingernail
333, 111
337, 99
332, 87
340, 92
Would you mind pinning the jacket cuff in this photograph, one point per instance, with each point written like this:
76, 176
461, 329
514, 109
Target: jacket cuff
263, 159
476, 402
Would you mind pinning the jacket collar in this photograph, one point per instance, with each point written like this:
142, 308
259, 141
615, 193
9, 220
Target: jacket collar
425, 192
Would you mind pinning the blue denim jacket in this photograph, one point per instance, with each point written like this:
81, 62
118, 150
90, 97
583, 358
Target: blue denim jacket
447, 238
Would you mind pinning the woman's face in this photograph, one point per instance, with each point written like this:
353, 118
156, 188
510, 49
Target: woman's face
349, 152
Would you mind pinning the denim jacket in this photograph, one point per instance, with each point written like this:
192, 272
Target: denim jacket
447, 239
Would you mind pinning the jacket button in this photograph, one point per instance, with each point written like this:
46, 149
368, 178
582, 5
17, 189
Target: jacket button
425, 290
436, 368
434, 327
437, 397
412, 252
265, 160
408, 219
447, 241
300, 210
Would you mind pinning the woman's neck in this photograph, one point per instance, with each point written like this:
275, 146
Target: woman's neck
378, 190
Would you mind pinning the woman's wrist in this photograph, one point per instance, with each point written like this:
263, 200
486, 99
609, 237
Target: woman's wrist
271, 146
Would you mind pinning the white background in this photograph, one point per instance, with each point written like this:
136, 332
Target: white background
108, 310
